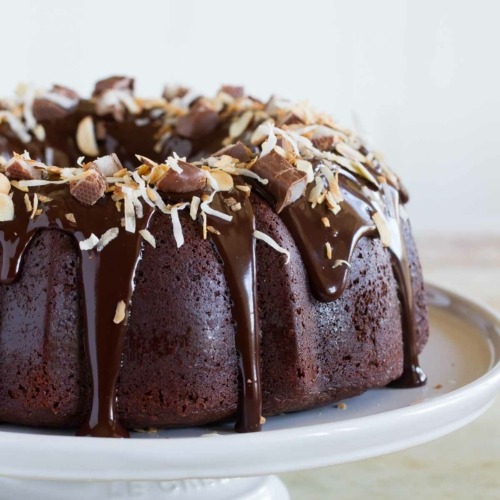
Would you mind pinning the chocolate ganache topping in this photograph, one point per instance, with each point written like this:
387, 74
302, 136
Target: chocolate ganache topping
100, 169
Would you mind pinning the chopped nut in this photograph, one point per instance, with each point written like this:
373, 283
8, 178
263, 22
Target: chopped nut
325, 222
438, 386
328, 250
383, 229
38, 212
342, 406
262, 420
120, 312
44, 199
27, 202
230, 201
85, 137
71, 218
236, 207
212, 229
246, 189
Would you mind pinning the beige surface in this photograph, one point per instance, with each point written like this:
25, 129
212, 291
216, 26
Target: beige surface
462, 465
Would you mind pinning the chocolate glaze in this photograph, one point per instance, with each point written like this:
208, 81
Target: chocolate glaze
236, 246
346, 228
108, 277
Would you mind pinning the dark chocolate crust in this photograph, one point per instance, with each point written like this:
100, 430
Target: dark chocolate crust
180, 362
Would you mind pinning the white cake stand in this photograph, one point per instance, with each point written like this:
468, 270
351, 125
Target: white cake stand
461, 361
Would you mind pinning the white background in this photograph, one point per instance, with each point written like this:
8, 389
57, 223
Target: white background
423, 75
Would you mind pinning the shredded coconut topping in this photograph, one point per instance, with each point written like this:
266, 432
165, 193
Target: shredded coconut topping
264, 237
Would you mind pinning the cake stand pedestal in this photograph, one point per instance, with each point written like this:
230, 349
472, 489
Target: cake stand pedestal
462, 361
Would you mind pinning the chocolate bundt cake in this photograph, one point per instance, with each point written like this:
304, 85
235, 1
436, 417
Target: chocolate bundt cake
186, 260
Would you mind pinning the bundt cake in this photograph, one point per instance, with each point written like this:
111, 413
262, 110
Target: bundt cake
187, 260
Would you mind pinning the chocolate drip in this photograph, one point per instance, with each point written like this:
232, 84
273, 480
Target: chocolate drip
346, 229
236, 246
413, 375
107, 278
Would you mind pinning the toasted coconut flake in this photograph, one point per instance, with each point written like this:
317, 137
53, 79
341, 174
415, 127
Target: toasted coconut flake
35, 206
142, 188
325, 221
248, 173
349, 152
107, 238
148, 237
24, 189
267, 239
241, 124
383, 229
340, 262
211, 229
316, 191
16, 126
146, 161
328, 249
204, 219
80, 160
129, 210
214, 213
195, 203
39, 132
121, 309
85, 137
172, 162
71, 218
306, 166
179, 237
90, 243
271, 141
27, 202
6, 208
403, 213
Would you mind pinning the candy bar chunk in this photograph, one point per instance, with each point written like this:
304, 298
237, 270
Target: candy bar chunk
286, 183
20, 169
171, 92
233, 91
113, 83
291, 119
238, 151
190, 179
55, 104
108, 165
323, 143
197, 123
89, 189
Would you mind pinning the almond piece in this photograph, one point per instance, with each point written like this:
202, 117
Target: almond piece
6, 208
241, 124
4, 185
223, 179
85, 137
